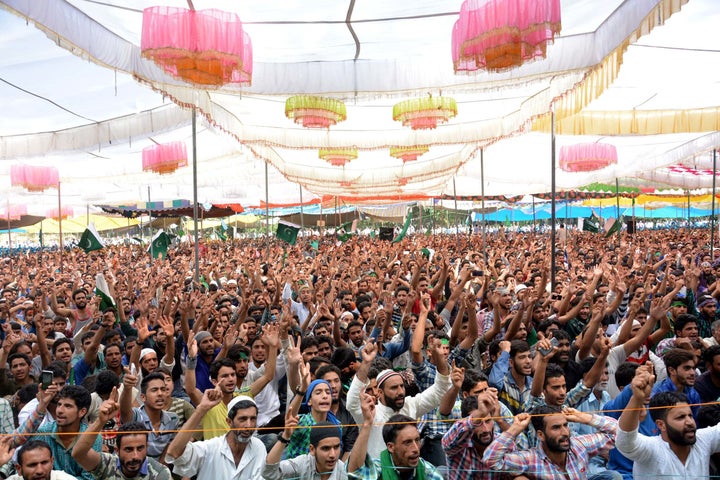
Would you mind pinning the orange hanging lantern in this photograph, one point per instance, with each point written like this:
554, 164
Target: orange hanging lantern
501, 34
425, 113
408, 154
204, 47
15, 212
34, 179
338, 157
65, 212
164, 158
402, 181
315, 112
586, 157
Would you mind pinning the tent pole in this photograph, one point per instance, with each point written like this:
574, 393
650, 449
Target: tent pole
87, 214
60, 228
482, 193
9, 237
552, 200
150, 226
617, 207
712, 215
302, 217
533, 213
195, 200
433, 216
457, 227
267, 216
689, 224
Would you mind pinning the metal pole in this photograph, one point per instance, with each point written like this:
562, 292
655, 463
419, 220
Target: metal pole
195, 199
482, 193
150, 226
533, 197
689, 224
9, 237
552, 201
433, 216
457, 227
302, 217
267, 215
617, 208
87, 214
60, 228
712, 217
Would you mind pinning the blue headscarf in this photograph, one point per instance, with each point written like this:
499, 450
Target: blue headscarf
330, 417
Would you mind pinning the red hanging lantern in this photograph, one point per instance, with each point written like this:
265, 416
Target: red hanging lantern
204, 47
34, 179
586, 157
501, 34
164, 158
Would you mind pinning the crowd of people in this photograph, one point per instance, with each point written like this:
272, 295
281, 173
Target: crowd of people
443, 356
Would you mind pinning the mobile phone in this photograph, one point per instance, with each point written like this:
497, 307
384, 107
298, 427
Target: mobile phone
478, 273
46, 379
132, 369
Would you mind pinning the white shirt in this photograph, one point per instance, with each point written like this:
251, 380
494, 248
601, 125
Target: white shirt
54, 475
653, 458
213, 460
267, 400
414, 407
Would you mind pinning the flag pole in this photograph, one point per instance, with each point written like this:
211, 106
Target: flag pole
9, 237
195, 200
552, 200
150, 226
60, 228
302, 216
712, 216
457, 227
482, 193
617, 208
267, 215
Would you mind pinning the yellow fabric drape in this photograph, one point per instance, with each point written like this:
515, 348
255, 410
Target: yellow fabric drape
602, 75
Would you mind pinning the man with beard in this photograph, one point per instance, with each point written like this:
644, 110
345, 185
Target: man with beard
34, 461
73, 402
331, 374
131, 459
237, 455
559, 455
154, 394
93, 360
391, 394
79, 316
680, 366
467, 439
681, 451
398, 309
305, 305
572, 369
510, 374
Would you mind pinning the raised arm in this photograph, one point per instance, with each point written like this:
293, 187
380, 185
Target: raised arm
210, 398
359, 451
83, 452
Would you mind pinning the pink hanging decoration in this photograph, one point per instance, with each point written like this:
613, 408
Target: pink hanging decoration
66, 212
501, 34
164, 158
34, 179
15, 212
205, 47
586, 157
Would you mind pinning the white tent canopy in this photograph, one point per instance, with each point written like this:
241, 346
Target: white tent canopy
640, 74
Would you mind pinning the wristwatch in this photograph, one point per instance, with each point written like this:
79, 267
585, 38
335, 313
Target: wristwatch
282, 439
298, 391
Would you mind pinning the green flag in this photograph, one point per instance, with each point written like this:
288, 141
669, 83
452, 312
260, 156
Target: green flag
613, 227
591, 224
287, 231
404, 230
159, 245
314, 244
103, 291
346, 231
90, 239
